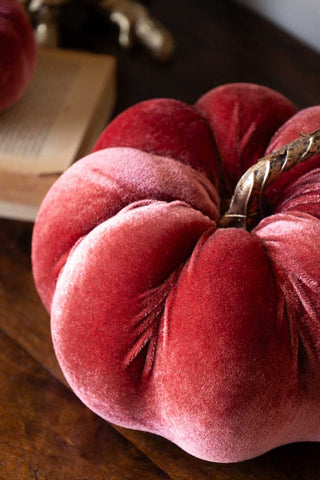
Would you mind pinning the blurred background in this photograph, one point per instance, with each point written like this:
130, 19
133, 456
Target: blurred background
215, 41
299, 18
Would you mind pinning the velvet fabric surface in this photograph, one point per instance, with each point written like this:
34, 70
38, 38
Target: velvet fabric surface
163, 322
165, 127
17, 52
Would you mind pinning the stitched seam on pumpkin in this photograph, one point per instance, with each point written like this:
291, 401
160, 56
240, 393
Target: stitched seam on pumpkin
281, 297
149, 325
297, 341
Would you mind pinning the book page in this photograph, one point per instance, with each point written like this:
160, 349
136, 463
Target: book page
43, 132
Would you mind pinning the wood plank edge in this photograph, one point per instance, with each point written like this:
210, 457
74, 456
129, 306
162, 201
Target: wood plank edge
61, 379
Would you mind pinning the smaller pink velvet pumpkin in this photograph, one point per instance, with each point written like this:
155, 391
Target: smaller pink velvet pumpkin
18, 52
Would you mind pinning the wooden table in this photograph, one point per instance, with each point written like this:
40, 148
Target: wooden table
45, 432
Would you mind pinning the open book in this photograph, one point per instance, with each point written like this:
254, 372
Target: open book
56, 122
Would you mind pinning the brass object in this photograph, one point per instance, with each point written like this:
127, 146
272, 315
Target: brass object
44, 16
246, 208
136, 24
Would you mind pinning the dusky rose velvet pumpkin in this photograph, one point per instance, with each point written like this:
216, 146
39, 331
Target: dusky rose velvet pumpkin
18, 52
161, 320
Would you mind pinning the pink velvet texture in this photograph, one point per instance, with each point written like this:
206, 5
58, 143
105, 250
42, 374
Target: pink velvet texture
17, 52
163, 322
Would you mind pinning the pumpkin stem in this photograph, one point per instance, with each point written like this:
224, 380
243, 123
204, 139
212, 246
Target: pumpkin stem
245, 210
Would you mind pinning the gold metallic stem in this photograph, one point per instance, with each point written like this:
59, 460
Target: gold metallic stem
245, 208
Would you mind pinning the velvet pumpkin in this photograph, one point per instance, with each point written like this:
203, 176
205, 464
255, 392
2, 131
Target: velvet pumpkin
18, 52
163, 322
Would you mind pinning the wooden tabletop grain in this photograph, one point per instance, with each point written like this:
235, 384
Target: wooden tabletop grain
45, 431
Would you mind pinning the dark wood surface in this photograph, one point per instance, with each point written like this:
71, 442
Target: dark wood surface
45, 432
